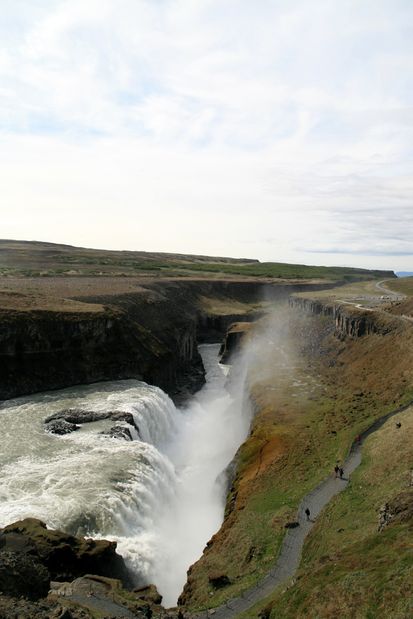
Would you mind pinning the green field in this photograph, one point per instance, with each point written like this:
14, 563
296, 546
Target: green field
35, 259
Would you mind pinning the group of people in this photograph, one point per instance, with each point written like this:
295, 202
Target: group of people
339, 473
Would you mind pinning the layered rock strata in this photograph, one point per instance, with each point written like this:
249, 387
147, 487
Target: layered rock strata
350, 321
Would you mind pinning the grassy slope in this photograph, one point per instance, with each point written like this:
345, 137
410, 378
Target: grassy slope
326, 386
349, 568
20, 258
403, 285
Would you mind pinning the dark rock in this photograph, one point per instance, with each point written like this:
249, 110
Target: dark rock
251, 554
291, 525
23, 575
120, 432
60, 426
218, 581
397, 510
61, 613
124, 416
148, 594
265, 613
65, 556
235, 335
22, 608
72, 417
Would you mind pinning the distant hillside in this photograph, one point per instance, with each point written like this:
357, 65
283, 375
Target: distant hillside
39, 259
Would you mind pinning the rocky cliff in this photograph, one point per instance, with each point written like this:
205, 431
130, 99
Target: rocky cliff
234, 337
138, 336
149, 332
350, 320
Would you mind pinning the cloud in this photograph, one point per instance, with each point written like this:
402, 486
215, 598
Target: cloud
210, 127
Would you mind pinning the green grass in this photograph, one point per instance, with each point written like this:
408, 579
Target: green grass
34, 259
281, 270
349, 568
403, 285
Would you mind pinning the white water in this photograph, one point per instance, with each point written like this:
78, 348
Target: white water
161, 497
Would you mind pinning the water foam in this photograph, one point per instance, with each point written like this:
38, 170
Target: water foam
161, 497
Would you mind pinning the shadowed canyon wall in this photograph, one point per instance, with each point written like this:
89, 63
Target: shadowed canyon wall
350, 321
150, 335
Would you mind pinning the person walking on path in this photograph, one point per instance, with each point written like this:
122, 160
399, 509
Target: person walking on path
307, 513
336, 470
341, 472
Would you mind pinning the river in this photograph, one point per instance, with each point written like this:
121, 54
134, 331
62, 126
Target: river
160, 496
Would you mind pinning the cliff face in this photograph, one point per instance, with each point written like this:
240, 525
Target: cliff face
233, 339
136, 336
350, 321
149, 334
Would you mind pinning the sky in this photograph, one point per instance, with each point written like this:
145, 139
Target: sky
277, 129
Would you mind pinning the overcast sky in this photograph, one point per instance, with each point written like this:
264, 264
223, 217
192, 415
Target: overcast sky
274, 129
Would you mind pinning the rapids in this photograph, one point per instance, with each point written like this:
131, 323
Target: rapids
160, 496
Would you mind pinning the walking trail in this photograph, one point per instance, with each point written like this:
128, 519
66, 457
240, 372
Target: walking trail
290, 554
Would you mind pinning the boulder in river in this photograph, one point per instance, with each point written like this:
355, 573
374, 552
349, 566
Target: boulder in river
69, 420
60, 426
121, 432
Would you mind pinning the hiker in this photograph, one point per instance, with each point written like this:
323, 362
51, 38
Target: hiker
358, 439
398, 424
307, 513
341, 472
336, 470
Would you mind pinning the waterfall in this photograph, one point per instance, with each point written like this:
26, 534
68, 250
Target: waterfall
160, 496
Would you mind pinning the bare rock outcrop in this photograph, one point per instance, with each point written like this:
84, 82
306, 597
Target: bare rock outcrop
71, 419
398, 510
233, 339
53, 555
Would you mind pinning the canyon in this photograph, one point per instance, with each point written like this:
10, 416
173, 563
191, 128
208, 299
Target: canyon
319, 368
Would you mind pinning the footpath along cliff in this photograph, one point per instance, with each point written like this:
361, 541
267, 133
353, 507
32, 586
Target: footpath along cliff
321, 374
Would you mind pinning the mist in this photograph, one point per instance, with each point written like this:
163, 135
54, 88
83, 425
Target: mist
210, 430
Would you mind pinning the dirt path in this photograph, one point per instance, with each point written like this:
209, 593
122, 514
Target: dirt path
381, 285
290, 554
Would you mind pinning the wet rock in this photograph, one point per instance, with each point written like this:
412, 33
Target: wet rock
69, 420
218, 581
121, 432
64, 556
60, 427
233, 339
78, 416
